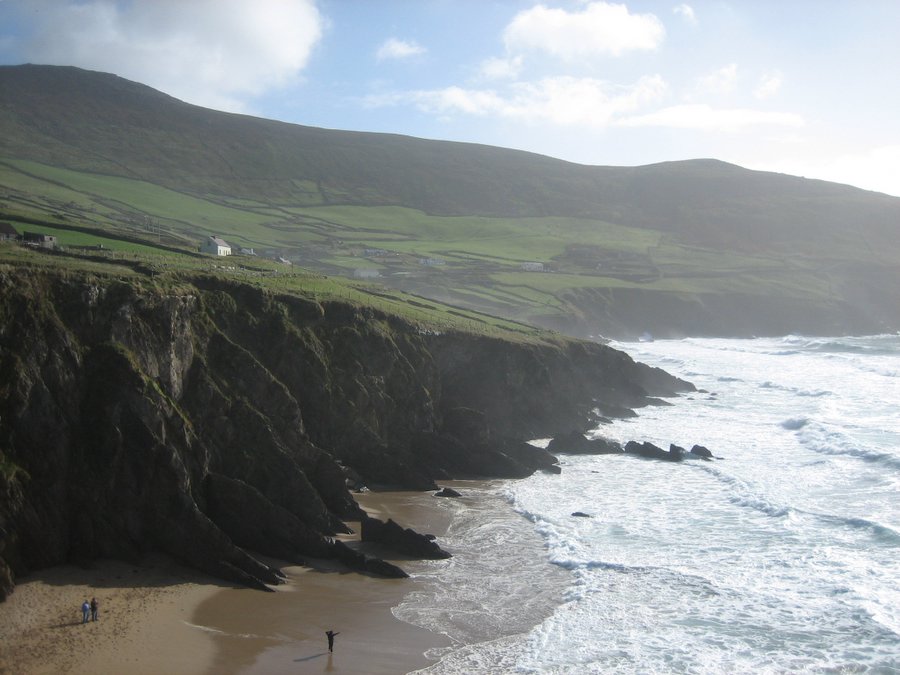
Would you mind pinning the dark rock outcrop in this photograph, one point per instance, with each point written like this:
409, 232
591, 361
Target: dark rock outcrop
254, 522
403, 540
531, 390
206, 418
650, 451
447, 492
362, 563
701, 451
575, 443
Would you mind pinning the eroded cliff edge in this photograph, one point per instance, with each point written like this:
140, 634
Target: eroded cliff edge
209, 418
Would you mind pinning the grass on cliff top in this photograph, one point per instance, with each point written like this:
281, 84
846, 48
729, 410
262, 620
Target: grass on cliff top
174, 272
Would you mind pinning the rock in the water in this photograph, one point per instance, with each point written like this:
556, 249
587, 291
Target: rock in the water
575, 443
447, 492
701, 451
651, 451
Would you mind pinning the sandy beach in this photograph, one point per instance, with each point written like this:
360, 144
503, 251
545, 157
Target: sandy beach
142, 608
159, 617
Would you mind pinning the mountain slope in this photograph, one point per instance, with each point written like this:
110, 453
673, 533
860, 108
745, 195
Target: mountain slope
690, 235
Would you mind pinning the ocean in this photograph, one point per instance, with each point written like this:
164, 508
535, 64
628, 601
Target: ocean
780, 556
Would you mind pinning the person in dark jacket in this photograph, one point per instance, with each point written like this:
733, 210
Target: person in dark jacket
330, 635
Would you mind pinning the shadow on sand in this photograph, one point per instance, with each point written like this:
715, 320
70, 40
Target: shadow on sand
310, 658
76, 622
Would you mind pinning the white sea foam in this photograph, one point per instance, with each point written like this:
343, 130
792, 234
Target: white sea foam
210, 629
206, 629
782, 557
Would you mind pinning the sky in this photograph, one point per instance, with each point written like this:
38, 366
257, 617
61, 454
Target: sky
805, 87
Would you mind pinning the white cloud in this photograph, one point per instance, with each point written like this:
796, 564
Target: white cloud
876, 168
600, 29
500, 68
721, 81
216, 53
687, 12
458, 99
706, 118
561, 101
398, 49
769, 84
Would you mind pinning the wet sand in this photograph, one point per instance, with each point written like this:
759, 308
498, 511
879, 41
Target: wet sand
158, 617
284, 632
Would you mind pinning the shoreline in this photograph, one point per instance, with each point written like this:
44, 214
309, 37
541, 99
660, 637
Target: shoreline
158, 616
284, 632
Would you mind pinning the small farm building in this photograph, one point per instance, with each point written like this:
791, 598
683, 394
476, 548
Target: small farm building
40, 239
8, 232
215, 246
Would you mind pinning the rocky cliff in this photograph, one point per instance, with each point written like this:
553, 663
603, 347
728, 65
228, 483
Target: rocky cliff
209, 419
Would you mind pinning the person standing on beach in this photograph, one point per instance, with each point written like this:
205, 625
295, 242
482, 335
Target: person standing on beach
85, 611
95, 609
330, 635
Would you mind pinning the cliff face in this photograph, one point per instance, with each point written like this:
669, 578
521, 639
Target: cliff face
215, 418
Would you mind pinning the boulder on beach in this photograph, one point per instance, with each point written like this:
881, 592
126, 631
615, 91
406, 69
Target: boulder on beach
402, 540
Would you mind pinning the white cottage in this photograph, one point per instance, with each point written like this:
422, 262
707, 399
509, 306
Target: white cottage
215, 246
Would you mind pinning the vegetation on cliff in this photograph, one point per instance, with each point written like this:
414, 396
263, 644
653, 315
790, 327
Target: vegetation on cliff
153, 407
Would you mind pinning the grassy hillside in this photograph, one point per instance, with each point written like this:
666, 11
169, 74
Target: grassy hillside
96, 152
